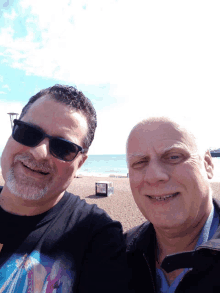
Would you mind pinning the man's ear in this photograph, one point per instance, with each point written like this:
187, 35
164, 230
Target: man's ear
209, 166
82, 160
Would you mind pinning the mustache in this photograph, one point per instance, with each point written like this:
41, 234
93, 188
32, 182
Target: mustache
30, 162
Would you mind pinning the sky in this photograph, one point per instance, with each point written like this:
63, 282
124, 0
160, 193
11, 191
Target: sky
133, 59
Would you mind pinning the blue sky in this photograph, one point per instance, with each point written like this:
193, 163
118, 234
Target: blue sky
133, 59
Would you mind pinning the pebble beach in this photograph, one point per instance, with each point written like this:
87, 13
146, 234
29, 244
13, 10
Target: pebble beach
120, 205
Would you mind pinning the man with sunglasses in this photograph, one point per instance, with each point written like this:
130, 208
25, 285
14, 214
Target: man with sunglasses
51, 241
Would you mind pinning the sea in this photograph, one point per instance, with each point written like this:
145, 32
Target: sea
104, 166
116, 166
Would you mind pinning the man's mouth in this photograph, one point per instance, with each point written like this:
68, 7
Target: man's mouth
164, 197
35, 170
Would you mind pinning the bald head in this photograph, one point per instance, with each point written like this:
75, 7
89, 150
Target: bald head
164, 126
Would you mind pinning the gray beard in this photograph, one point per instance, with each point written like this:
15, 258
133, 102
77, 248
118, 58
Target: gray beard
26, 189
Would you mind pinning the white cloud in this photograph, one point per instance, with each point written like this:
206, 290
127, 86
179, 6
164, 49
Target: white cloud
6, 35
118, 42
10, 16
4, 60
1, 78
2, 93
6, 86
17, 48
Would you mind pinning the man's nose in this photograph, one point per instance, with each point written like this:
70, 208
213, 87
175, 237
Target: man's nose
156, 173
41, 151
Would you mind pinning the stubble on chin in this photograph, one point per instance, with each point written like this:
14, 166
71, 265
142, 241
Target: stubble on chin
25, 188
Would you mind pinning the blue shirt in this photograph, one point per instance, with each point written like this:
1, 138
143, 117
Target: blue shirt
206, 234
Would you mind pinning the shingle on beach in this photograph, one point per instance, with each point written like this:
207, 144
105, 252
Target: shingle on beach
120, 205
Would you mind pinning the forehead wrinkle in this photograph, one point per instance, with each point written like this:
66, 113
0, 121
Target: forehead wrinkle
136, 155
161, 150
183, 138
176, 146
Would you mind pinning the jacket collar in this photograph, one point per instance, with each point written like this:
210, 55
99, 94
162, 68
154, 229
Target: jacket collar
142, 236
213, 243
142, 242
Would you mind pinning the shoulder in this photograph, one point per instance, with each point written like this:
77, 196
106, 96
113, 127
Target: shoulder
88, 215
80, 206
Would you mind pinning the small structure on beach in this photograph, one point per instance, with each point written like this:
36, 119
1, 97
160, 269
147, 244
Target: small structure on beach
104, 188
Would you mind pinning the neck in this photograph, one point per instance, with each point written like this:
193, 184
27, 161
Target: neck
18, 206
169, 242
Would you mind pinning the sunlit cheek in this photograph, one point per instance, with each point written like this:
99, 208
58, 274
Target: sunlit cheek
64, 178
11, 149
136, 179
182, 171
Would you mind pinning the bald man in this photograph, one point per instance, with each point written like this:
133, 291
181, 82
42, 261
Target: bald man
178, 248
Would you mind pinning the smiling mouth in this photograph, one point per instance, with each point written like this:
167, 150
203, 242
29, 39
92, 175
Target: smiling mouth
37, 171
163, 198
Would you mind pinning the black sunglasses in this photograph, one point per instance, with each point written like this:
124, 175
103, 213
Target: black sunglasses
30, 135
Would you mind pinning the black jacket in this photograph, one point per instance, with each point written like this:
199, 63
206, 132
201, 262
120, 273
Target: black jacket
204, 261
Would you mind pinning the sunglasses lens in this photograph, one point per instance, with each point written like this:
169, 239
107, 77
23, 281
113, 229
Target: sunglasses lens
62, 149
30, 136
26, 134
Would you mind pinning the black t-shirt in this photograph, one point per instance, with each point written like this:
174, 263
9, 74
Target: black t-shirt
15, 228
73, 247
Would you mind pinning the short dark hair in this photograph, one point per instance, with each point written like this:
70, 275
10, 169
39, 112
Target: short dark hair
71, 97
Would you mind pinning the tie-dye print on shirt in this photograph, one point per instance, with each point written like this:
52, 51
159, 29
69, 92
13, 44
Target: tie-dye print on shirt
35, 273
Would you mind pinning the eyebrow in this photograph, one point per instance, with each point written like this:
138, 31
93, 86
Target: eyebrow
137, 155
175, 147
166, 150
